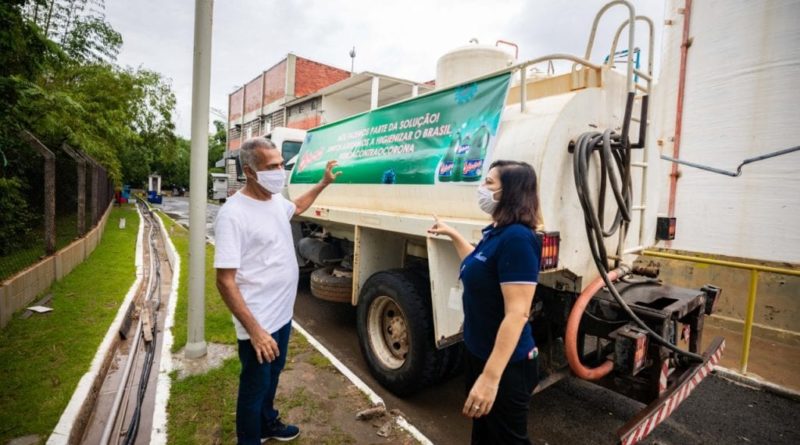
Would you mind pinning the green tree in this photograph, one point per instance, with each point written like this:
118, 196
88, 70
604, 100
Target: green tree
79, 26
217, 142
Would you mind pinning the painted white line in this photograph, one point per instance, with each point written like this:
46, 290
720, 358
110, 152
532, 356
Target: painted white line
158, 436
373, 396
755, 383
63, 430
403, 423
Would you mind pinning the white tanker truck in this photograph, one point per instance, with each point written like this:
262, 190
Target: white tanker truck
596, 315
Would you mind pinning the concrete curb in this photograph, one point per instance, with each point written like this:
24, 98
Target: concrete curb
77, 404
373, 396
756, 383
158, 436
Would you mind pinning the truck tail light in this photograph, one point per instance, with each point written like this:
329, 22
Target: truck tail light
550, 242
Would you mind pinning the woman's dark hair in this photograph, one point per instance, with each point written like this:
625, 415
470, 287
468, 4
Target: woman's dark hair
519, 201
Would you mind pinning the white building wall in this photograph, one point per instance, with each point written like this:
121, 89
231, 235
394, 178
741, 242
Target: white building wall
335, 108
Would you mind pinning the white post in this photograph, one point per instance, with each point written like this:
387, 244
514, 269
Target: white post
414, 90
373, 103
201, 85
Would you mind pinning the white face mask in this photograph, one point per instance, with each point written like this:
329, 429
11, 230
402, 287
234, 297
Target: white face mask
272, 180
486, 200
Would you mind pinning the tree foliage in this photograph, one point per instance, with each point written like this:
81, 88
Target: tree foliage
58, 80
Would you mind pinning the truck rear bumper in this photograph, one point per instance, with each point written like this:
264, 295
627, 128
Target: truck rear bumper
656, 412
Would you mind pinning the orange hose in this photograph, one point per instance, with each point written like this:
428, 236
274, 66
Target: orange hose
571, 338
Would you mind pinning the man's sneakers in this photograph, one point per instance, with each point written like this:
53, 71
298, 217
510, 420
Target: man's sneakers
280, 431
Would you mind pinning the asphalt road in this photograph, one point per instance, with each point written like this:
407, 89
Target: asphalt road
572, 411
178, 209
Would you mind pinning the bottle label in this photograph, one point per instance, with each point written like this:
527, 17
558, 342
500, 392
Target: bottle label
472, 168
446, 168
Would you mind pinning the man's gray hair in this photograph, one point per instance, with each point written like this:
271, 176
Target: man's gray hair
247, 151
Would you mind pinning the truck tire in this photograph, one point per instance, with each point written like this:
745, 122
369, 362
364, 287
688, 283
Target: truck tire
395, 331
326, 286
451, 358
452, 361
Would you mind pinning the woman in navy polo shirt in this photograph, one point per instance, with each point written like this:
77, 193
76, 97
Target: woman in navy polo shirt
499, 277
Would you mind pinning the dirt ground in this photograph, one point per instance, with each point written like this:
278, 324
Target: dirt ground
312, 394
323, 403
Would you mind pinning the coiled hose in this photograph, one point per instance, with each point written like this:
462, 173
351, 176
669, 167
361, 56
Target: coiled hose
614, 172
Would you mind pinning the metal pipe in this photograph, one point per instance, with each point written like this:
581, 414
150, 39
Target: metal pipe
754, 269
506, 42
748, 321
523, 89
676, 147
631, 35
715, 262
650, 46
201, 85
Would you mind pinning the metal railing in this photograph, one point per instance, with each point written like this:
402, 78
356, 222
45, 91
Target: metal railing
754, 269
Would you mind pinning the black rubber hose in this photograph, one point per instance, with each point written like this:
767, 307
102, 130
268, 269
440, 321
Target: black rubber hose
584, 148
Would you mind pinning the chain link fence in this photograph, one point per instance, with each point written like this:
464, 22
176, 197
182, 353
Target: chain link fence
49, 196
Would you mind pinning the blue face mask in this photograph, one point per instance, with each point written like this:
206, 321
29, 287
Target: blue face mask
486, 200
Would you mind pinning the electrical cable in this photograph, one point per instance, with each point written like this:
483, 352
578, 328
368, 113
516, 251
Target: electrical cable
133, 427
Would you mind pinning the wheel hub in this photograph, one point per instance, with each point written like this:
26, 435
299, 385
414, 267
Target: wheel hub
388, 332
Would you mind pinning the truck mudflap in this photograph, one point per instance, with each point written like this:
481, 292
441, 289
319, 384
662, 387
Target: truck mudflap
656, 412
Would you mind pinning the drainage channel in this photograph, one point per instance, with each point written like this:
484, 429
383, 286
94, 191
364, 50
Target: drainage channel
122, 411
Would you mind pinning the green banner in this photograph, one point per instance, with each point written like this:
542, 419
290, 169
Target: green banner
440, 137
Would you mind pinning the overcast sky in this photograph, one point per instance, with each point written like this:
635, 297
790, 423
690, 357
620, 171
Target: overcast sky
401, 39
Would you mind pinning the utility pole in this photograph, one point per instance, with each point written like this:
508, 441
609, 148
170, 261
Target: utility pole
198, 174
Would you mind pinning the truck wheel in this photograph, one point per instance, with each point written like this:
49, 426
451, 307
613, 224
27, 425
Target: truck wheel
395, 331
327, 286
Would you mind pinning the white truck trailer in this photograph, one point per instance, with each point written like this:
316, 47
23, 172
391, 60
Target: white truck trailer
596, 315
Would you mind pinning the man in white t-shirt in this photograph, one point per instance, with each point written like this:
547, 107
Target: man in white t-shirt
257, 276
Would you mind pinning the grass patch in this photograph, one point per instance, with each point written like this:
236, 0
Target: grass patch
335, 437
43, 358
202, 408
219, 327
319, 361
300, 398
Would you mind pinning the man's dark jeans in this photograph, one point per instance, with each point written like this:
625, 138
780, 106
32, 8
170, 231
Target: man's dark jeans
257, 385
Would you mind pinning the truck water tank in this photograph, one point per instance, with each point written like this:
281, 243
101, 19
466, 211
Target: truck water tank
469, 62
